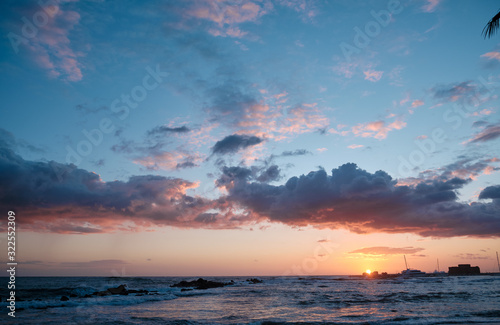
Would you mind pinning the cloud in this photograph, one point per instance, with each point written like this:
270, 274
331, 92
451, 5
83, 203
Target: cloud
87, 109
373, 75
163, 130
297, 152
262, 174
273, 173
491, 192
470, 256
234, 143
306, 8
155, 156
479, 124
7, 140
378, 129
245, 109
492, 56
154, 152
431, 5
225, 16
384, 250
467, 168
81, 202
171, 160
365, 202
355, 146
489, 133
417, 103
52, 48
463, 91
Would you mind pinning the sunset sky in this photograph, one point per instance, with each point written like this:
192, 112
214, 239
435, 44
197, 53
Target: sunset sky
252, 137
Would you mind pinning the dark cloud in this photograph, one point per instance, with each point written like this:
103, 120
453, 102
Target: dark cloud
491, 192
465, 167
489, 133
477, 124
297, 152
384, 250
270, 174
367, 202
232, 101
235, 174
186, 164
463, 91
87, 109
80, 202
234, 143
99, 163
7, 140
162, 130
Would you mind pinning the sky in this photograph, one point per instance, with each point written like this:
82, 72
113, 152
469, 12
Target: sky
249, 137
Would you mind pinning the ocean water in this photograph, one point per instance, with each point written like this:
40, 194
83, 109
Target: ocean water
312, 300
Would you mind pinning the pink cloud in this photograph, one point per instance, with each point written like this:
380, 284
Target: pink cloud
492, 55
405, 100
377, 129
347, 69
170, 160
383, 250
304, 7
431, 5
355, 146
271, 119
52, 48
227, 14
417, 103
484, 111
373, 75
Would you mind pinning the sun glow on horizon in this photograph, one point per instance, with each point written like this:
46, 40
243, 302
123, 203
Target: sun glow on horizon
368, 271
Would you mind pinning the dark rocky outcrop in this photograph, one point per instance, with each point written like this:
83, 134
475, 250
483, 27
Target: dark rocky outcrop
254, 280
201, 284
121, 290
64, 298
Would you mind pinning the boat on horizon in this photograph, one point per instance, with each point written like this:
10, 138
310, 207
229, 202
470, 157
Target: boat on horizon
411, 273
438, 272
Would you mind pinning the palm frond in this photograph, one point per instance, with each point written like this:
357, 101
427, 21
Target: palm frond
492, 26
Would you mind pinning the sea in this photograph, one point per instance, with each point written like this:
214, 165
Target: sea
277, 300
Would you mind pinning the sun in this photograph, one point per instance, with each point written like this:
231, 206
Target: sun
368, 271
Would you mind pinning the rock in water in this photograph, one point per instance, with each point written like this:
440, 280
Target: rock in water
118, 290
64, 298
200, 284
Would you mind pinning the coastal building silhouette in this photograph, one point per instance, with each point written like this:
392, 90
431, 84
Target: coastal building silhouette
463, 269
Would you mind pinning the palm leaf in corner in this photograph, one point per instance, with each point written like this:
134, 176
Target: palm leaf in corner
492, 26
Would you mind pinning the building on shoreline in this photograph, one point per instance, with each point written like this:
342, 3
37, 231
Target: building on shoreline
463, 269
